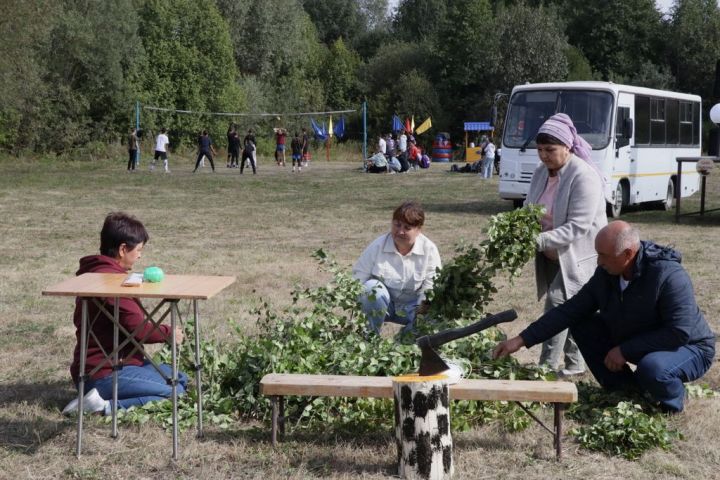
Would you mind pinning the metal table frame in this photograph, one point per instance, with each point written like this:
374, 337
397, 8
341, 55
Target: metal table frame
96, 286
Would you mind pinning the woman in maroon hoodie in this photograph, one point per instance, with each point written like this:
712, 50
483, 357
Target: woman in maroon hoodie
121, 242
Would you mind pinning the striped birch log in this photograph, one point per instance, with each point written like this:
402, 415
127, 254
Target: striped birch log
422, 427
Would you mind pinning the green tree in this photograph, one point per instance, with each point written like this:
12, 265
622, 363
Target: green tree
578, 66
339, 76
462, 63
189, 66
22, 88
277, 53
616, 36
336, 19
534, 56
88, 59
417, 20
694, 48
379, 77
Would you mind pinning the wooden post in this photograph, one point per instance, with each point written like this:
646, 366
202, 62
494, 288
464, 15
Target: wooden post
422, 427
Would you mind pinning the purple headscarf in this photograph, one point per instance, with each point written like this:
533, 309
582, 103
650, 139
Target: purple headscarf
561, 127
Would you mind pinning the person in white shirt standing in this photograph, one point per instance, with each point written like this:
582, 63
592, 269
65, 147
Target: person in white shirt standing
396, 270
382, 146
161, 146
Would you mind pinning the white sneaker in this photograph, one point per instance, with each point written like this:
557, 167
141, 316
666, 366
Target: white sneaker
92, 403
569, 372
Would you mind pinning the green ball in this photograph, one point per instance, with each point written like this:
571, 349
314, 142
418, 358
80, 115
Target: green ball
153, 274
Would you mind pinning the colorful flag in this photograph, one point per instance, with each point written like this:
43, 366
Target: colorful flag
412, 124
330, 127
320, 132
340, 127
407, 125
396, 124
424, 126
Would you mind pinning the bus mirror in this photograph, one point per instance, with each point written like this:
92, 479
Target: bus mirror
627, 129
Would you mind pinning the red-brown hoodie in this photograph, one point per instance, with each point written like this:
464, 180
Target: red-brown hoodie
131, 315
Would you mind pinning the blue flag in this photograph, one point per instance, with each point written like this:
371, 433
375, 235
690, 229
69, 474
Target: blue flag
396, 124
319, 130
340, 128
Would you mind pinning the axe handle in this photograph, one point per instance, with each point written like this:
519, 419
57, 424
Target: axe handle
446, 336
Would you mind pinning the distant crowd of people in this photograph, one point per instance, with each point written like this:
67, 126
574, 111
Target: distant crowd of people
397, 153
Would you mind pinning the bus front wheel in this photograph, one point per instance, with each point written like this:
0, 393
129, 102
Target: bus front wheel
620, 201
669, 201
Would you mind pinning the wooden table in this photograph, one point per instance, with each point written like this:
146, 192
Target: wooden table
173, 288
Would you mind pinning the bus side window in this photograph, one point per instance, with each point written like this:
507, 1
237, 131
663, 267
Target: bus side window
623, 127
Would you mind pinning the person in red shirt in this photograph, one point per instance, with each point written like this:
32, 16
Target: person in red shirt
414, 155
280, 134
121, 243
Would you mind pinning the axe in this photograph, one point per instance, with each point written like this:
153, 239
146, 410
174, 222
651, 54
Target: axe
431, 363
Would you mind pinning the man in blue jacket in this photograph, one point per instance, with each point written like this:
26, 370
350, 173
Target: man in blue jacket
638, 308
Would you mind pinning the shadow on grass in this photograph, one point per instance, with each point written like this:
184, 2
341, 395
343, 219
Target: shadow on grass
30, 412
473, 206
322, 464
647, 215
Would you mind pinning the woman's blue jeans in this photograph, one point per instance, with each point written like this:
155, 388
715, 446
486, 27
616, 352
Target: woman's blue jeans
138, 385
378, 307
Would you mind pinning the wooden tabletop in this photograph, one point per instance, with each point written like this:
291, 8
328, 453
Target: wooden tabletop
197, 287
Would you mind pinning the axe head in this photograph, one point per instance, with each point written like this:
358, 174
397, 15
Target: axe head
430, 362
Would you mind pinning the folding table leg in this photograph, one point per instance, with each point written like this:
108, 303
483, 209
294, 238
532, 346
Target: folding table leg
198, 369
81, 382
174, 379
116, 335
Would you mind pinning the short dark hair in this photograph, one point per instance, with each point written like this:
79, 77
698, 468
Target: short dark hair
547, 139
119, 228
410, 213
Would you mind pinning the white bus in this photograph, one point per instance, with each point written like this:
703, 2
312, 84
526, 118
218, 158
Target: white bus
635, 133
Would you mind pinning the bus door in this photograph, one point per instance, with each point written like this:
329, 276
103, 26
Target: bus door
624, 164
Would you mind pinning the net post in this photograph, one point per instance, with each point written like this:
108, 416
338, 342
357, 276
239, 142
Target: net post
364, 119
137, 129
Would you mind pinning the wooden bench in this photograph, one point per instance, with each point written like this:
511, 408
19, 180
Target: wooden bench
279, 385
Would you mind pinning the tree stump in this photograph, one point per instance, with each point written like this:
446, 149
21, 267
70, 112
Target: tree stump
422, 427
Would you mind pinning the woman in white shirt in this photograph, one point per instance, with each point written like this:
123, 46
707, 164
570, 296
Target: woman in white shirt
396, 270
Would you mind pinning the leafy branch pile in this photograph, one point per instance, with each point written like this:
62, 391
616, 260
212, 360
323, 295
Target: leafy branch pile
324, 331
619, 424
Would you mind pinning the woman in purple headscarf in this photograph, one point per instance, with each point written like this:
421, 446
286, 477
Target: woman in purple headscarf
570, 188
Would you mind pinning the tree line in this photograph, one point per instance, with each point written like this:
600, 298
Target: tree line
71, 71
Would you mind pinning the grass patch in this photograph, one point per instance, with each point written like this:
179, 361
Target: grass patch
263, 229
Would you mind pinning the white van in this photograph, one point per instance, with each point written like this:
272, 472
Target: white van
636, 134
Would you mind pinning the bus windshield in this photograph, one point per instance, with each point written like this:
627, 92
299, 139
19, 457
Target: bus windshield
590, 111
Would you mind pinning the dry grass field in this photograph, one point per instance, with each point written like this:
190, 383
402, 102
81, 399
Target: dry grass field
262, 230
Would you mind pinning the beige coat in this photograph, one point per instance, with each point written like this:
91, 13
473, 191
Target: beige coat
578, 215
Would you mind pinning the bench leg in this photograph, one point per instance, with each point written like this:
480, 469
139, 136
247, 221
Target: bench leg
273, 429
558, 430
281, 401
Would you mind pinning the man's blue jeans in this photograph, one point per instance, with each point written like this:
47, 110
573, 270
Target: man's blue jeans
138, 385
378, 307
661, 373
